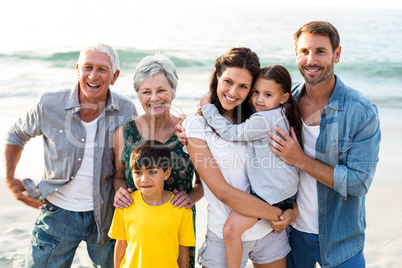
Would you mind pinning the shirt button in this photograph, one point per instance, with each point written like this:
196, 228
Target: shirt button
72, 177
79, 159
60, 131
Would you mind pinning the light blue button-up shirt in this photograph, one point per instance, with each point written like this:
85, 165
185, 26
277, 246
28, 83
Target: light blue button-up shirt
349, 140
55, 116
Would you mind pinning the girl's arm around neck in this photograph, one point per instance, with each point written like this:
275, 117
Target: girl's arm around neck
234, 198
254, 128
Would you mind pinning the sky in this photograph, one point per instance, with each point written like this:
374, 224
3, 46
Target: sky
27, 5
19, 18
12, 13
383, 4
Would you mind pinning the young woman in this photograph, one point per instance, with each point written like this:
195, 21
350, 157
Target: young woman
221, 166
270, 177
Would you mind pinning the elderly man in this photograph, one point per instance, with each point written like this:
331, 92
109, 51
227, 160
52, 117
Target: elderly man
76, 192
341, 143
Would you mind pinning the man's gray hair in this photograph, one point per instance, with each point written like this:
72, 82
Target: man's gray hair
100, 47
152, 65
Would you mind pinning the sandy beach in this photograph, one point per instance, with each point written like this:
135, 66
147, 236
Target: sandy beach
384, 215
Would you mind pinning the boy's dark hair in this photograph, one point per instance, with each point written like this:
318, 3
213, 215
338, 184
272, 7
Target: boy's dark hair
150, 154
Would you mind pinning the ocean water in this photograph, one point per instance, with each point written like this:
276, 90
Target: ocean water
42, 47
41, 43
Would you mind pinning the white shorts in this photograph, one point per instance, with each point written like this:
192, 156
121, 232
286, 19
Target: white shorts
268, 249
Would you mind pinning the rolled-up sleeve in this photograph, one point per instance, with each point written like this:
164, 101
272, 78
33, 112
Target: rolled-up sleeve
26, 127
356, 176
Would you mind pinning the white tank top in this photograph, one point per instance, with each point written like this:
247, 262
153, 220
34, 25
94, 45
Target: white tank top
307, 196
77, 195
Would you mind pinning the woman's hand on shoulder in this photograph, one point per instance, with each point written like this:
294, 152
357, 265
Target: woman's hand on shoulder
181, 199
122, 198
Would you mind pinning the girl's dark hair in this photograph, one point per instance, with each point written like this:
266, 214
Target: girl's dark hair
241, 57
150, 154
281, 76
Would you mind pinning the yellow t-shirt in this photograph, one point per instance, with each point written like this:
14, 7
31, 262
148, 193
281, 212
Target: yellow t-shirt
153, 233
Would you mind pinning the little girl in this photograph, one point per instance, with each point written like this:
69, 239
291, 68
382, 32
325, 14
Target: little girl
271, 179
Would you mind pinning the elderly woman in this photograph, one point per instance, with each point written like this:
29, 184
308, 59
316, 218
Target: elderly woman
155, 82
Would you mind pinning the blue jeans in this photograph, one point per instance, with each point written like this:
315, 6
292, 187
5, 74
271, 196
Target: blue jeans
57, 234
306, 252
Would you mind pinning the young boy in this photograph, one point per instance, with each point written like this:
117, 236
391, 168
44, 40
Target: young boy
151, 232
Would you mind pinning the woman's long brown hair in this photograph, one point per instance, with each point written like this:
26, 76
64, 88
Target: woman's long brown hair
241, 57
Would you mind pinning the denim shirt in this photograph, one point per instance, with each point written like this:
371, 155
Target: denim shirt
349, 140
55, 116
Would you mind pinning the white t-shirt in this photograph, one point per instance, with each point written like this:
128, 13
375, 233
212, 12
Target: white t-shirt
230, 156
307, 196
77, 195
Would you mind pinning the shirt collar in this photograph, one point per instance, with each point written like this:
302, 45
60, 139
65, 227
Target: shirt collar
74, 103
337, 98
